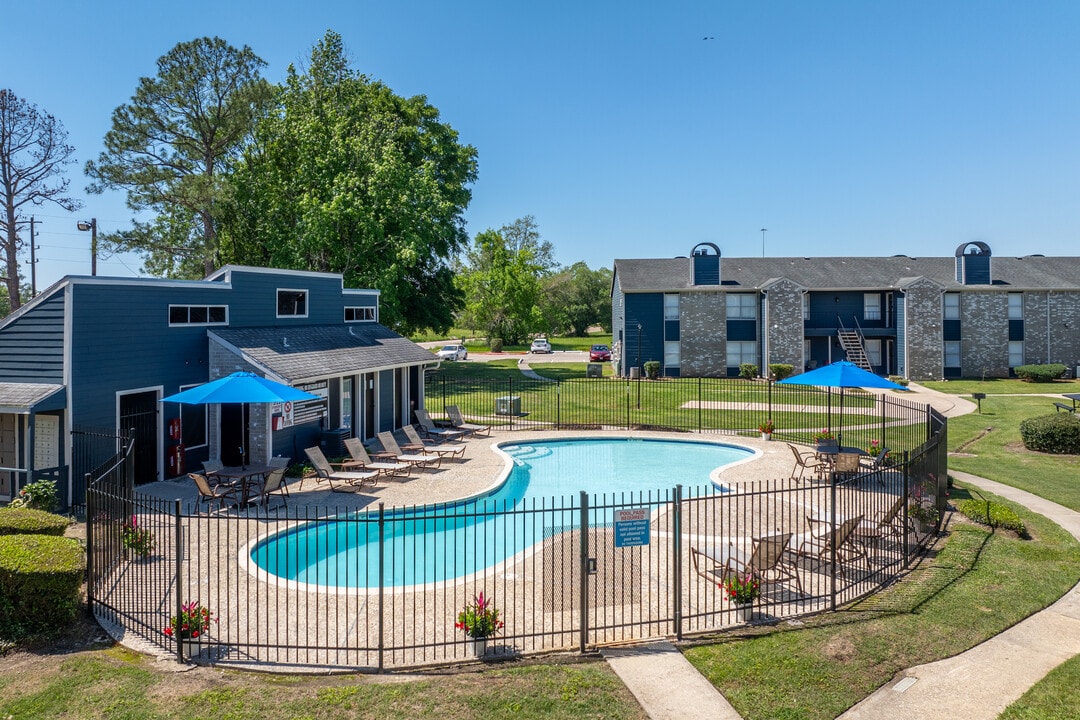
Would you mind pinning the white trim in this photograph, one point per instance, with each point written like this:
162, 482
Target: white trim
206, 419
277, 302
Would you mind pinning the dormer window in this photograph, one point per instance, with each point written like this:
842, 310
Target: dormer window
291, 303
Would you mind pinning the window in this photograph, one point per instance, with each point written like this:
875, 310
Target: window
671, 354
806, 306
1016, 307
198, 315
292, 303
359, 314
741, 352
952, 306
1016, 353
346, 402
671, 306
873, 352
952, 354
741, 307
192, 423
871, 306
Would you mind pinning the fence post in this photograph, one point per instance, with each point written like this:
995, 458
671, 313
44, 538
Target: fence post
178, 576
627, 403
583, 639
832, 542
676, 559
558, 403
700, 400
90, 540
907, 494
510, 401
382, 557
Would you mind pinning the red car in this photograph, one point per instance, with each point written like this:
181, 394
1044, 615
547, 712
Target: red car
599, 353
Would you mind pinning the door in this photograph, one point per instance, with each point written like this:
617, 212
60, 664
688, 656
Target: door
139, 412
233, 434
8, 455
369, 406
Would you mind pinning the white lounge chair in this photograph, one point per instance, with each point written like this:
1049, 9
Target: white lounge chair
390, 445
353, 481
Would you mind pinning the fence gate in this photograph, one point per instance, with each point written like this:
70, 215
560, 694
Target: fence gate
139, 412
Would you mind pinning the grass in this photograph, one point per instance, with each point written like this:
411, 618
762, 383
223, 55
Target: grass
1002, 386
118, 684
1053, 698
976, 586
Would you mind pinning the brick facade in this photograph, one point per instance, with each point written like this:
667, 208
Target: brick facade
785, 325
924, 330
703, 344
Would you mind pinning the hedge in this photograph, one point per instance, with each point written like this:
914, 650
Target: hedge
40, 577
779, 371
1058, 433
993, 514
26, 521
1040, 373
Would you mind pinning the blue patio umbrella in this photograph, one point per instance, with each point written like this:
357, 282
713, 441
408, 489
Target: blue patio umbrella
243, 388
842, 374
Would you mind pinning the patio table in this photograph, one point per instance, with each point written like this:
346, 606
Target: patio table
249, 476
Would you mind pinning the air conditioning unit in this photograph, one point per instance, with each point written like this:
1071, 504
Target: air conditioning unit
508, 405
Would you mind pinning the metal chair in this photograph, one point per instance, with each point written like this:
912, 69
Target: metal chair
804, 462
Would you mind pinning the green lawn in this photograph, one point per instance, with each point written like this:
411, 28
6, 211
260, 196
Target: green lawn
1002, 386
1053, 698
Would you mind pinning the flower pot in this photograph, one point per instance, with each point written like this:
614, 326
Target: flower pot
478, 645
191, 647
923, 527
744, 612
766, 436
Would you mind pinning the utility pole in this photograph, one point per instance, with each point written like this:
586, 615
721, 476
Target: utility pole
763, 231
33, 262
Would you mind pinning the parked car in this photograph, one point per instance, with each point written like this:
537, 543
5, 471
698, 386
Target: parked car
452, 352
599, 353
540, 345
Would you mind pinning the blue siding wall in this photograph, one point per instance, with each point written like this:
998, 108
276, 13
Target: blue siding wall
618, 325
386, 399
647, 309
32, 346
254, 299
828, 309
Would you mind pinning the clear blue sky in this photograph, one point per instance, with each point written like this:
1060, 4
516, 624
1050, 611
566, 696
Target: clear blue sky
845, 128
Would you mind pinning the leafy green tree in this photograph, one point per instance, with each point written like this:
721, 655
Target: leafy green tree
345, 176
171, 146
576, 298
33, 153
501, 284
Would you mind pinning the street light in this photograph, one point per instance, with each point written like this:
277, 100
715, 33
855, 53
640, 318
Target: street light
92, 227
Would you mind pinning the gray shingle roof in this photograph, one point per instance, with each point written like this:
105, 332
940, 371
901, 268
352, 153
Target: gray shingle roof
303, 353
19, 398
827, 273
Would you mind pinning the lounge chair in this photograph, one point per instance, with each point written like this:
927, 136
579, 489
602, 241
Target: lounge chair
273, 485
352, 480
428, 427
824, 536
430, 447
361, 459
457, 422
804, 462
218, 494
390, 445
766, 560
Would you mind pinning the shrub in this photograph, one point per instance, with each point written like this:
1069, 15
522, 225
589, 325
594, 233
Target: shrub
40, 576
993, 514
899, 380
652, 369
26, 521
496, 344
1058, 433
39, 495
1040, 373
748, 371
779, 371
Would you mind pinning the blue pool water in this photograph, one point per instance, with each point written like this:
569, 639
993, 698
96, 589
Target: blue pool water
443, 542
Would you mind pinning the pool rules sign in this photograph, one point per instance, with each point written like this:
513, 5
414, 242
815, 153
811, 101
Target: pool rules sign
631, 527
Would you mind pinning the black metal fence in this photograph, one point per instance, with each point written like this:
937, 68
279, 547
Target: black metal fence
713, 405
331, 587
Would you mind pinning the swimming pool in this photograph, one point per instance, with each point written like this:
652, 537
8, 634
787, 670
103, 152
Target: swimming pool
538, 498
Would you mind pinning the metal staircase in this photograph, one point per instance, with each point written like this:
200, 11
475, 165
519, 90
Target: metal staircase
852, 342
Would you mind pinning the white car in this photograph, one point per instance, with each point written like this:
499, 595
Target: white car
452, 352
540, 345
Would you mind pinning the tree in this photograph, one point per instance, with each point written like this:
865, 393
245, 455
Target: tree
576, 298
171, 145
33, 153
501, 285
345, 176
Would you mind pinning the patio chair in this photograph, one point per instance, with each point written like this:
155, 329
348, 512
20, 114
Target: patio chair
457, 422
824, 536
766, 560
218, 494
845, 465
418, 444
876, 466
210, 466
273, 485
428, 427
281, 462
804, 462
390, 445
352, 480
360, 458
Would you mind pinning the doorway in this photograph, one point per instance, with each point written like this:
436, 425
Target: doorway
233, 434
9, 457
369, 406
139, 412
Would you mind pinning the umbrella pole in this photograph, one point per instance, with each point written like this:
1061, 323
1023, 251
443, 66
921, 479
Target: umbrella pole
840, 420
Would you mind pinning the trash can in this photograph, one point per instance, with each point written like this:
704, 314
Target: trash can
594, 370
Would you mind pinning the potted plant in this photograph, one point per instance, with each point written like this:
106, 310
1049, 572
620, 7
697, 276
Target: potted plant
924, 514
742, 590
138, 540
766, 429
189, 627
480, 620
824, 438
875, 448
